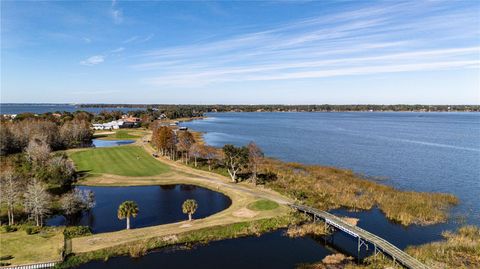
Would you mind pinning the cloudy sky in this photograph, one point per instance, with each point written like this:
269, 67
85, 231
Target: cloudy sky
291, 52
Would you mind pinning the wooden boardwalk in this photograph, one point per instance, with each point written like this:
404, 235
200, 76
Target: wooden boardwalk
363, 237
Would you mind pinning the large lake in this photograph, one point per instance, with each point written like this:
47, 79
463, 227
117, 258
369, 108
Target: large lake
435, 152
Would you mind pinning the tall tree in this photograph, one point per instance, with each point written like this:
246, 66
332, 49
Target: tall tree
196, 152
126, 210
255, 157
38, 151
6, 139
10, 192
185, 142
77, 201
163, 138
189, 207
36, 201
210, 154
236, 159
59, 170
76, 133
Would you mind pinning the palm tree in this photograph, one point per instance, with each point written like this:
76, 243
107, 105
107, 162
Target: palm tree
126, 210
189, 207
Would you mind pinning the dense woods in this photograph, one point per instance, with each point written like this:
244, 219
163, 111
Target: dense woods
20, 135
36, 178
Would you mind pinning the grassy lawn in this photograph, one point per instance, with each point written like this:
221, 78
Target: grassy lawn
262, 205
41, 247
120, 135
122, 161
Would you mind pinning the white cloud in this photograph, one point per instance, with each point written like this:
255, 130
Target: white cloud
117, 50
87, 40
116, 13
372, 40
94, 60
130, 39
138, 39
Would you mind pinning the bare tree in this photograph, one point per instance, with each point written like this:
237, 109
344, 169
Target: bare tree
196, 151
236, 159
77, 201
76, 133
38, 150
210, 154
10, 193
255, 157
59, 170
185, 142
36, 201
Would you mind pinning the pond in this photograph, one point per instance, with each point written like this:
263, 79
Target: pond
99, 143
157, 205
270, 250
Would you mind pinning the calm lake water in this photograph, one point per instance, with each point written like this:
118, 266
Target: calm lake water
99, 143
44, 108
157, 205
434, 152
271, 250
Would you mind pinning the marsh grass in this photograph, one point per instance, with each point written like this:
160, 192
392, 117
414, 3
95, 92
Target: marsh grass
307, 229
331, 188
460, 249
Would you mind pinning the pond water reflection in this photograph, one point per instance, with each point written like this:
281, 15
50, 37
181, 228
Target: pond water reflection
157, 204
99, 143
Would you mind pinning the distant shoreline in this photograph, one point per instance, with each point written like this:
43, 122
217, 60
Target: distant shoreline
202, 109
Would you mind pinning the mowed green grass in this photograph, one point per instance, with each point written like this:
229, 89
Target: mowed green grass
261, 205
123, 161
41, 247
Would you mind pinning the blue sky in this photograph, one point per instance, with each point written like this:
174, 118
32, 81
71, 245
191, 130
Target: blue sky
290, 52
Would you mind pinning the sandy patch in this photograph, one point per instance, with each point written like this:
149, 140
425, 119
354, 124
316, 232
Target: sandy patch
244, 213
186, 225
351, 221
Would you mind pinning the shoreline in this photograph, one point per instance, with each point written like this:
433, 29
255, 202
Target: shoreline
444, 210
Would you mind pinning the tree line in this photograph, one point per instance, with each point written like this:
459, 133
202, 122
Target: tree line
176, 111
181, 145
17, 135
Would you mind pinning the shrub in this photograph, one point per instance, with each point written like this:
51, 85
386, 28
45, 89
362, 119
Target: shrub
76, 231
6, 257
32, 230
8, 229
137, 250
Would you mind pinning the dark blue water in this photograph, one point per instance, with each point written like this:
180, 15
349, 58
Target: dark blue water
434, 152
157, 205
44, 108
271, 250
99, 143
